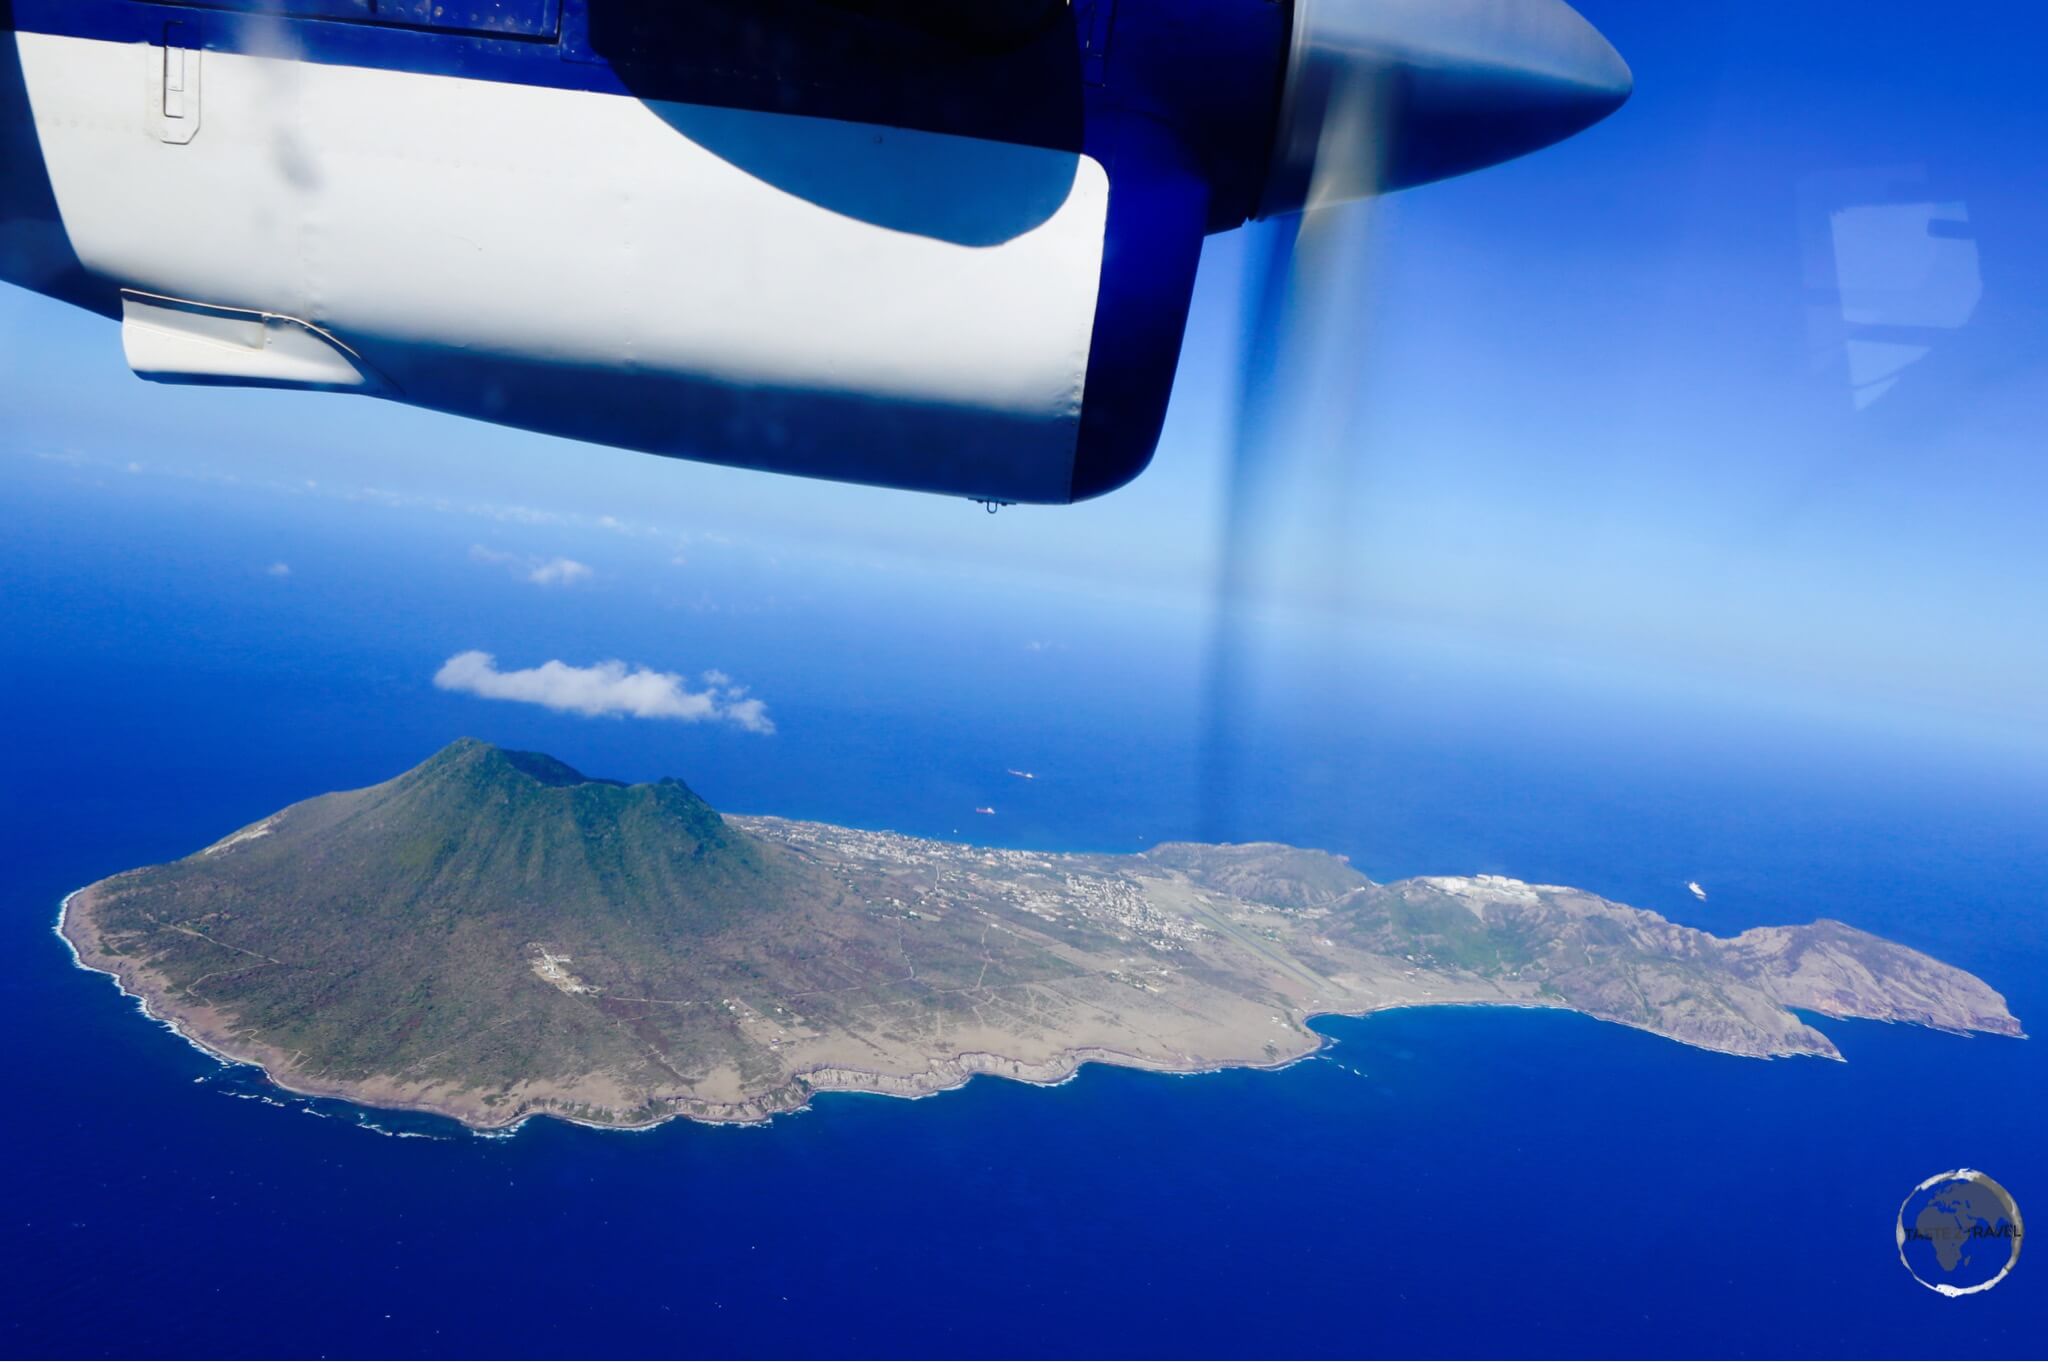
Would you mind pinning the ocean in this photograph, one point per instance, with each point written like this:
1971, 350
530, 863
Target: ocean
1437, 1182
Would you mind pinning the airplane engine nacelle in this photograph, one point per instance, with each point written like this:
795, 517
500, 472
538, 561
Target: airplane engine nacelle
911, 243
800, 294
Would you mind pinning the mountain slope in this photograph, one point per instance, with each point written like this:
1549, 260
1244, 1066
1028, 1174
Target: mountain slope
376, 929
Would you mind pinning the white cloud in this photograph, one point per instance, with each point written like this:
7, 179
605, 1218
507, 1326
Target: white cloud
279, 569
559, 572
606, 689
750, 714
539, 571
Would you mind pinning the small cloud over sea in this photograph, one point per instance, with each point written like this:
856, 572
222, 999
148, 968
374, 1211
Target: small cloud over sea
539, 571
609, 689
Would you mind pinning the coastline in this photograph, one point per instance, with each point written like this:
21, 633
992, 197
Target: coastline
943, 1075
141, 1001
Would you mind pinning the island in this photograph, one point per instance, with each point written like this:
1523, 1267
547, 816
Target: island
494, 936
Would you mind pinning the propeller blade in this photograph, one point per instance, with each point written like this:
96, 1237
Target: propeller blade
1284, 534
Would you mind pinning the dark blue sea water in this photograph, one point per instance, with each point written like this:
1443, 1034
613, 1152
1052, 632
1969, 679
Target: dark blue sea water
1440, 1182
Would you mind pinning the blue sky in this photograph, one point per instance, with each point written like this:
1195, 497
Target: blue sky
1635, 405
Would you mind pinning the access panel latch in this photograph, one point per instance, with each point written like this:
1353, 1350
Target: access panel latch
174, 84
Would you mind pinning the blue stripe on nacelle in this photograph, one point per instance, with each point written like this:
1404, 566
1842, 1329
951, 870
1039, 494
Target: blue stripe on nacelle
1151, 247
512, 18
